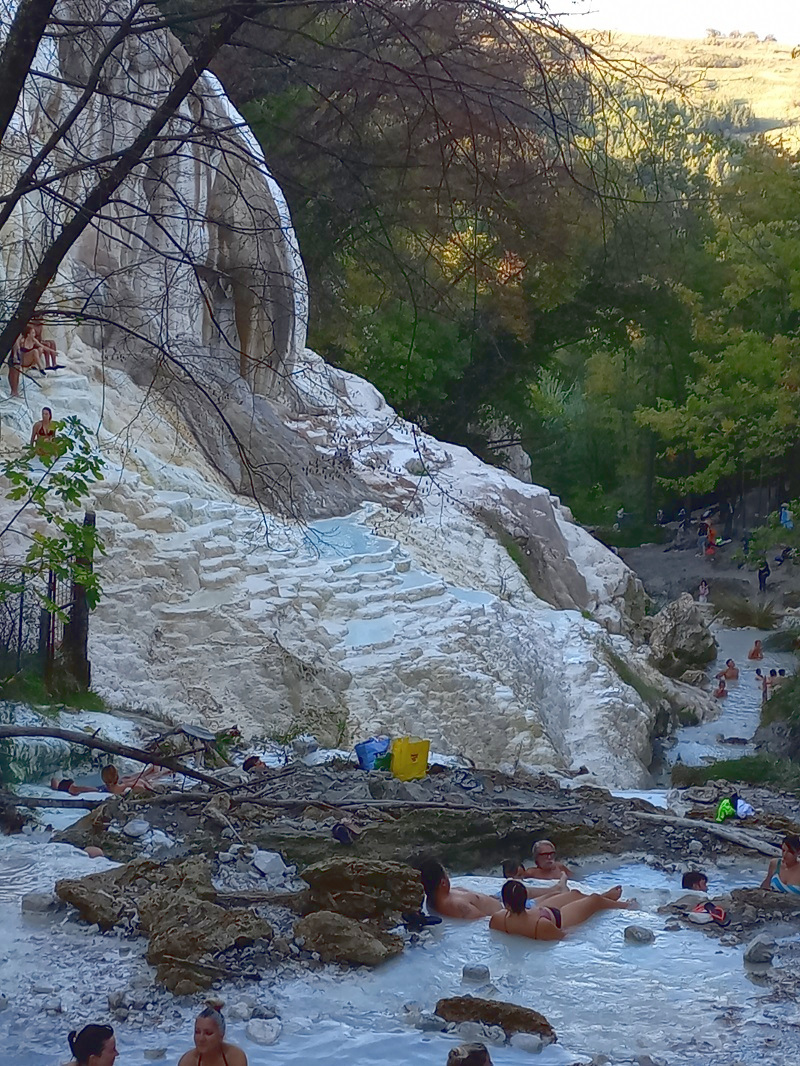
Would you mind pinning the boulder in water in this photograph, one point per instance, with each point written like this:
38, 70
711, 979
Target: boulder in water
340, 939
510, 1017
681, 638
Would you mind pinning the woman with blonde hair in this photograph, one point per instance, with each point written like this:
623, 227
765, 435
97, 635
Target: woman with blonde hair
210, 1047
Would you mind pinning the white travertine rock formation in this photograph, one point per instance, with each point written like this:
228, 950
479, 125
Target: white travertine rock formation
407, 616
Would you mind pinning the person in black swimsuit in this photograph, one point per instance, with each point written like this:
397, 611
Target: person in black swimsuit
94, 1045
210, 1048
26, 354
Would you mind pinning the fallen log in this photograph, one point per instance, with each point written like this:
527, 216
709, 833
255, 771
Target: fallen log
47, 801
743, 837
125, 751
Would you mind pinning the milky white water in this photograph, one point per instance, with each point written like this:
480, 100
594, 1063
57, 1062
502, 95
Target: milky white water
598, 992
740, 709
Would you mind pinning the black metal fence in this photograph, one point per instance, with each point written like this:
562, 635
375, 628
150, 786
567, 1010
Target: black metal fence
21, 622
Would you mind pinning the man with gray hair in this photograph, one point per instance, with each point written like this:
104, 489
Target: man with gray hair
545, 866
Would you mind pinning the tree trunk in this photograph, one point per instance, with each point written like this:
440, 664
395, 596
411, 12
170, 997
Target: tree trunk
101, 194
20, 46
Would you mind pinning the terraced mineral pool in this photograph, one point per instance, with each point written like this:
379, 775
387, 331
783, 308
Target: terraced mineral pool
684, 999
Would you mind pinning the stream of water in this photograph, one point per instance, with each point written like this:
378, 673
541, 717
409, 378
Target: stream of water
729, 736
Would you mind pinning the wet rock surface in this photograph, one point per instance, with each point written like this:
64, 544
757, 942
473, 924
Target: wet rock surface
680, 638
359, 888
336, 938
172, 903
508, 1016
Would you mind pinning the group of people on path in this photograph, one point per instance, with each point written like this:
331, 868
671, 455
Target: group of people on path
96, 1045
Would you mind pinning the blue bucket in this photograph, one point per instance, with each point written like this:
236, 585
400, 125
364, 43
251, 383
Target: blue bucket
368, 751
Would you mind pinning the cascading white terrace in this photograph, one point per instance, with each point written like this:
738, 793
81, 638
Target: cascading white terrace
216, 610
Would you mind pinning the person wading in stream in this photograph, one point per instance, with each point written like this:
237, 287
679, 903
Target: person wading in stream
210, 1048
94, 1045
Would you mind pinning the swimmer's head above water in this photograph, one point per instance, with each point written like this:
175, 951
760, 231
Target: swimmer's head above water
209, 1028
434, 877
513, 868
514, 896
94, 1045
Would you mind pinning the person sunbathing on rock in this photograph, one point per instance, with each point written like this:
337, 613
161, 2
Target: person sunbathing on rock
210, 1047
783, 874
550, 922
26, 354
546, 867
730, 673
67, 784
142, 781
756, 652
94, 1045
47, 346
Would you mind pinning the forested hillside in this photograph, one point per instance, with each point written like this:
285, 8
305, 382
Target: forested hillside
519, 241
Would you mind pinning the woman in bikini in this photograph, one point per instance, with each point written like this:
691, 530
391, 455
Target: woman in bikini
26, 354
783, 874
210, 1048
550, 923
44, 428
94, 1045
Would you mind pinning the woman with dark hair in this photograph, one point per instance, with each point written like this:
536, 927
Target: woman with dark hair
44, 428
94, 1045
550, 923
210, 1048
783, 874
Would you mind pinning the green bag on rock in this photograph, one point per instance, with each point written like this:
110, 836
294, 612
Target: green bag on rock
724, 810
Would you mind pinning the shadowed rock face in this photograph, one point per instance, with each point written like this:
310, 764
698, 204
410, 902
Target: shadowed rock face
680, 637
510, 1017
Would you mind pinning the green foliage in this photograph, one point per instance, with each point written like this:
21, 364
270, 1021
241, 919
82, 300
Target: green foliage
52, 478
749, 770
783, 705
741, 612
31, 689
784, 640
766, 538
650, 694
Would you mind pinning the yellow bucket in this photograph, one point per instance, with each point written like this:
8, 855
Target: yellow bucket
410, 758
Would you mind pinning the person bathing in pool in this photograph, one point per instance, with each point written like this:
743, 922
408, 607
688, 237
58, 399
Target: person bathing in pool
550, 922
545, 866
783, 874
210, 1047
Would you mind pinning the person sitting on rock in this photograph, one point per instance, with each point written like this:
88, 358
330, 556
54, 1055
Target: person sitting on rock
94, 1045
695, 881
731, 671
469, 1055
756, 652
210, 1047
720, 692
47, 346
43, 430
546, 867
550, 922
66, 784
26, 354
783, 874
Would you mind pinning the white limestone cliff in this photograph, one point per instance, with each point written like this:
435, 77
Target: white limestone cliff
407, 616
